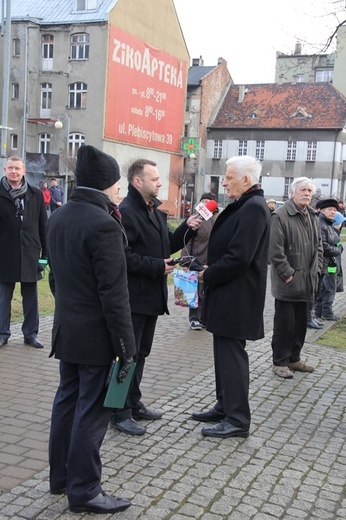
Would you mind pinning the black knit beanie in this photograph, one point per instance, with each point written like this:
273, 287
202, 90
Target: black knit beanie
96, 169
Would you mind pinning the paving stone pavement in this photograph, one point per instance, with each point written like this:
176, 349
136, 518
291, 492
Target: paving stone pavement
292, 466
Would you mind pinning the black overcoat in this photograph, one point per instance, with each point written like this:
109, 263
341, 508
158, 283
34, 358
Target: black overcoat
237, 274
22, 243
150, 242
92, 319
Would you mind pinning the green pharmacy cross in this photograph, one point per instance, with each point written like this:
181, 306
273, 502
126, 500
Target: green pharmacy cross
190, 145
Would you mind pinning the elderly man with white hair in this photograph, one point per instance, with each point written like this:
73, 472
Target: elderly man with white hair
295, 255
235, 282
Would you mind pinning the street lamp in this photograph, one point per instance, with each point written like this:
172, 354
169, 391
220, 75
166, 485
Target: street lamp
64, 120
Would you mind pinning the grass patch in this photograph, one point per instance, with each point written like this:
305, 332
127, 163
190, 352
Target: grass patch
336, 336
45, 300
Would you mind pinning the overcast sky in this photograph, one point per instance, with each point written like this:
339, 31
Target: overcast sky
247, 33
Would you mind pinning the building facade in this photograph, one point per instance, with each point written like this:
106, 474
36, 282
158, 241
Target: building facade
293, 129
99, 72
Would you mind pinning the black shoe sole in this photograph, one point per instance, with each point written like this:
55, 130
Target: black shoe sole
128, 432
87, 509
225, 436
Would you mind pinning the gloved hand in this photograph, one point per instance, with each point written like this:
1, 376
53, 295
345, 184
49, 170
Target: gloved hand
124, 369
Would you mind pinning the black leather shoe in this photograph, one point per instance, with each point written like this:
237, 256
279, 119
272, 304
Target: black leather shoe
209, 416
33, 342
224, 429
129, 426
313, 324
102, 503
144, 413
330, 317
3, 342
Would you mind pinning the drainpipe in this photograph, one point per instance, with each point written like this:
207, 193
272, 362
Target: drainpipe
333, 165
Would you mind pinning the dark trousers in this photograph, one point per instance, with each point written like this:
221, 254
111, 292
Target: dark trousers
196, 314
30, 309
79, 424
144, 330
290, 323
232, 380
326, 295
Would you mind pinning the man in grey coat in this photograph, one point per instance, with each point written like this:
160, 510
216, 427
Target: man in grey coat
295, 255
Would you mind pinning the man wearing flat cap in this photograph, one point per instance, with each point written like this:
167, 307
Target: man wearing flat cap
92, 326
328, 208
295, 254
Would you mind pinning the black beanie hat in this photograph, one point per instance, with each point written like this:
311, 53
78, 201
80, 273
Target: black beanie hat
96, 169
209, 196
327, 203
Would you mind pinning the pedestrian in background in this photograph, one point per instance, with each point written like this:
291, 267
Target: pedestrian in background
338, 223
323, 308
271, 205
57, 195
235, 282
23, 220
295, 255
197, 247
92, 326
47, 197
150, 245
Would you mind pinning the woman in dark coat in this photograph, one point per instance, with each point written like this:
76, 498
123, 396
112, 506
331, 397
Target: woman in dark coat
235, 283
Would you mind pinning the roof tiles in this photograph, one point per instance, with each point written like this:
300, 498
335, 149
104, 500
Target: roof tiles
296, 106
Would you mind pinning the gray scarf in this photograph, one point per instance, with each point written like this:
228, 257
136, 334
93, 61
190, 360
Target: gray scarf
17, 194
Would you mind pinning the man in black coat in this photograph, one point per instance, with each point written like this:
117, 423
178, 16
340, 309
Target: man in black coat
148, 264
23, 220
92, 326
235, 282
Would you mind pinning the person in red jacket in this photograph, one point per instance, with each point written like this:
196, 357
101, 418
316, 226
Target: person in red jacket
46, 195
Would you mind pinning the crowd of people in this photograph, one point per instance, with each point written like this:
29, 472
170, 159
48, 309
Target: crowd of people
108, 273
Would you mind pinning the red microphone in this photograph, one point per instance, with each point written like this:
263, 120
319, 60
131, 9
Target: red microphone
206, 210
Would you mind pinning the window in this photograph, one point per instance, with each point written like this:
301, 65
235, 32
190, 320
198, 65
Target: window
15, 90
44, 143
242, 150
288, 182
75, 141
324, 75
77, 95
186, 130
217, 149
260, 150
80, 46
300, 78
16, 47
14, 141
86, 5
311, 151
291, 151
47, 41
46, 99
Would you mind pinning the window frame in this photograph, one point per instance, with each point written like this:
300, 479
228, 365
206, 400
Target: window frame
260, 149
15, 91
291, 154
79, 50
77, 96
242, 147
217, 149
311, 151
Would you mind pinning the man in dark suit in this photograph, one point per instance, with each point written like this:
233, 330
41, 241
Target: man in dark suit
92, 325
23, 220
148, 264
235, 282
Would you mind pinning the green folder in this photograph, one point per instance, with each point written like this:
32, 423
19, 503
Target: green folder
117, 392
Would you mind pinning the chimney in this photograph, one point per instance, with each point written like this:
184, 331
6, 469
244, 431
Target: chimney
298, 48
241, 93
197, 62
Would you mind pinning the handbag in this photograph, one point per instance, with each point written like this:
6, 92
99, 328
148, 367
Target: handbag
185, 288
